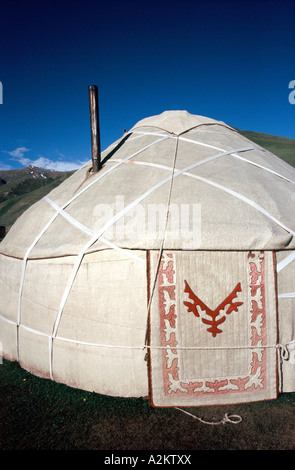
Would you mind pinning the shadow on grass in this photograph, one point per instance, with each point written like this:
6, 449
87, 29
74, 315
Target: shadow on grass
38, 414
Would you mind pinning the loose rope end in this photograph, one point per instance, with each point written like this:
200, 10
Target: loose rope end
233, 419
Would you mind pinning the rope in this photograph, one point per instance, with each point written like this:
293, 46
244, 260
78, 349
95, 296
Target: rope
283, 348
287, 295
220, 149
286, 261
90, 232
233, 419
163, 241
185, 171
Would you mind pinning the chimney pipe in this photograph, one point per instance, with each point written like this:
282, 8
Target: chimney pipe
94, 124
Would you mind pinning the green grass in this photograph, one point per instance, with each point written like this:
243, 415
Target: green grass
39, 414
282, 147
21, 196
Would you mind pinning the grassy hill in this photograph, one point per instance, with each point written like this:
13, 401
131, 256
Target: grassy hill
282, 147
21, 188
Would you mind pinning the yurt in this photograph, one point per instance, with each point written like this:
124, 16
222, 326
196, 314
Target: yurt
169, 273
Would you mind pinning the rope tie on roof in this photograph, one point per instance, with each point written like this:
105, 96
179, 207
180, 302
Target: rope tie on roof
163, 241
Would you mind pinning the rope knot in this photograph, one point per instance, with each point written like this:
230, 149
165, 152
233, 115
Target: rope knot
284, 351
233, 419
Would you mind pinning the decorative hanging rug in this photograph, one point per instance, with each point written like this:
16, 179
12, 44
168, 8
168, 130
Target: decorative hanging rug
212, 328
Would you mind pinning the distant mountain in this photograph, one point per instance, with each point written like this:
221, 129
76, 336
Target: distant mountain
30, 172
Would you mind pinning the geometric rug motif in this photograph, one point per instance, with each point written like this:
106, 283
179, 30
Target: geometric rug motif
212, 328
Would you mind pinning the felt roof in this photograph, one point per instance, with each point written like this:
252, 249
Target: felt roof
227, 193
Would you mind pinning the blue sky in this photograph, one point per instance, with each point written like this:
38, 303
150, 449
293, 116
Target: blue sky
228, 60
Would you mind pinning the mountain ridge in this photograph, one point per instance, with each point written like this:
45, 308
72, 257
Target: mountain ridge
31, 171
